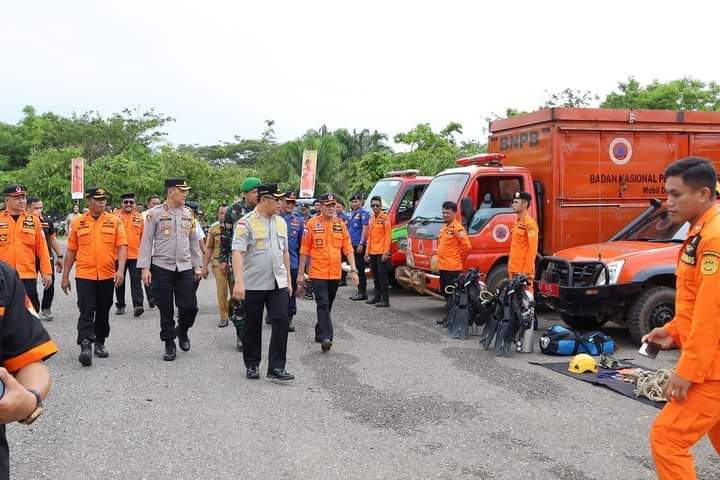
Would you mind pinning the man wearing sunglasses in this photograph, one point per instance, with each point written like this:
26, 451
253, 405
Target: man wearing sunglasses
133, 223
324, 242
378, 252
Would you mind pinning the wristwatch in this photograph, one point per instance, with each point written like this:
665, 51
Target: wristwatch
36, 412
353, 270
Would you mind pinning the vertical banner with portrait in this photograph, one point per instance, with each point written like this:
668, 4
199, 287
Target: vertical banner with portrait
307, 174
77, 176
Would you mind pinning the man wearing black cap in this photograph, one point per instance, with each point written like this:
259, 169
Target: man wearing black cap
133, 224
249, 189
524, 239
171, 260
261, 263
22, 242
357, 224
97, 241
295, 227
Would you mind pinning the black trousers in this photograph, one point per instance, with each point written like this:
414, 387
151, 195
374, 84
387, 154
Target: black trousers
135, 286
360, 264
94, 299
325, 291
380, 270
49, 293
447, 277
169, 286
31, 290
292, 303
276, 302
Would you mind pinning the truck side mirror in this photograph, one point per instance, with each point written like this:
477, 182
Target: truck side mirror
466, 210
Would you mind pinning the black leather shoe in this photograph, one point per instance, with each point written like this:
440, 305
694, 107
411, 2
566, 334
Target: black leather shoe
238, 343
170, 351
101, 351
222, 323
183, 340
120, 311
151, 304
375, 299
85, 357
441, 321
382, 304
137, 311
291, 327
318, 339
359, 296
326, 345
252, 373
280, 374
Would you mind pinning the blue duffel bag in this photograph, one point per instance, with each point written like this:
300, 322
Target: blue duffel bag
562, 341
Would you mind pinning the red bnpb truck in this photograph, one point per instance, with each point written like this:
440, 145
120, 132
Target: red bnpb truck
590, 172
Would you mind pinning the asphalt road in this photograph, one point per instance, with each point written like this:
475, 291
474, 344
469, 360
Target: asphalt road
393, 399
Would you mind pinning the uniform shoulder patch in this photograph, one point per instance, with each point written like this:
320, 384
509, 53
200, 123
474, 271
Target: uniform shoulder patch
710, 263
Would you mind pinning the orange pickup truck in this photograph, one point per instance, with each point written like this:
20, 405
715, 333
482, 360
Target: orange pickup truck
590, 172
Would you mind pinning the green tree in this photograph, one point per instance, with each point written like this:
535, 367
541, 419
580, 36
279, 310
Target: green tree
683, 94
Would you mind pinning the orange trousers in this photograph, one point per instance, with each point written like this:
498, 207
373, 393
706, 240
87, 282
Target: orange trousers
679, 426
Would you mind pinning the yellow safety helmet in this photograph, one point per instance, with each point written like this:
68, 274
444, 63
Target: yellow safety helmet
582, 363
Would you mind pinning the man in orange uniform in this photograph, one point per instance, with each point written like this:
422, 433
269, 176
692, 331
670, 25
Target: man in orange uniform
325, 241
693, 390
378, 253
97, 240
133, 225
22, 242
524, 239
453, 249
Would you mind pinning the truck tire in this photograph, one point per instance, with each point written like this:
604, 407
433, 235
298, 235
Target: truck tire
653, 308
496, 276
583, 323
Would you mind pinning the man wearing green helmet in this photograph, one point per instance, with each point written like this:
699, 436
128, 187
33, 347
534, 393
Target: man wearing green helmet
249, 189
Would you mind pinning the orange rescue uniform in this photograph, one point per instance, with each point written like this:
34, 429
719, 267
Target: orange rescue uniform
696, 330
96, 242
325, 241
22, 244
523, 247
379, 234
453, 247
133, 226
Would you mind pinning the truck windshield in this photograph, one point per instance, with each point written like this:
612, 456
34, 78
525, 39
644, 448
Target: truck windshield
441, 189
387, 190
658, 228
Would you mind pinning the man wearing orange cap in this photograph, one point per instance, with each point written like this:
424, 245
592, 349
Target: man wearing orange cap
325, 240
22, 242
133, 224
693, 390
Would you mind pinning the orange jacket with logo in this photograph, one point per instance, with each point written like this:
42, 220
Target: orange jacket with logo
325, 241
96, 242
453, 246
133, 225
523, 246
379, 234
22, 244
696, 326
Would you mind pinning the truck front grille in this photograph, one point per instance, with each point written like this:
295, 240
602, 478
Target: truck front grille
584, 274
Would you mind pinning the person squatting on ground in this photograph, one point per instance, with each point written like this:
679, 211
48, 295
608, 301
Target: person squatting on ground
325, 240
261, 263
22, 242
212, 254
171, 261
133, 225
357, 225
693, 390
453, 249
98, 244
295, 227
236, 211
378, 253
35, 206
523, 240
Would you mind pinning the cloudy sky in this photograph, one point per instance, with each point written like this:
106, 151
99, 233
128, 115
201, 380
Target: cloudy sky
221, 67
